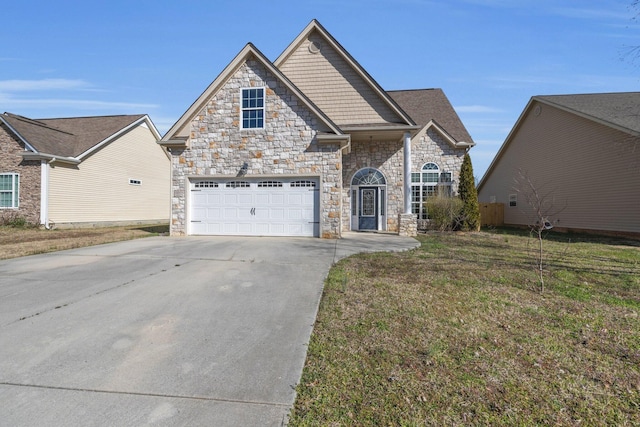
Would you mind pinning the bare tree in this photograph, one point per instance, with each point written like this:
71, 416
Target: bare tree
543, 213
633, 52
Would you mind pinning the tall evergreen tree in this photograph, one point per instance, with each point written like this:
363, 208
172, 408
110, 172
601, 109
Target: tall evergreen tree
469, 195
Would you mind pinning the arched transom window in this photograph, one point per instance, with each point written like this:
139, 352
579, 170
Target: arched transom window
430, 181
368, 176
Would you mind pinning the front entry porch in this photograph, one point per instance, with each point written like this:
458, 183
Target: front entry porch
368, 200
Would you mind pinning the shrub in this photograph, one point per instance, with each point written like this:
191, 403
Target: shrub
445, 213
13, 219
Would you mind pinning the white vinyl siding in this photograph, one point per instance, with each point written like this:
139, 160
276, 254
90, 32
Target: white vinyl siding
100, 189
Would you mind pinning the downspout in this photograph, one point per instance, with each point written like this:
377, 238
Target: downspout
44, 192
407, 172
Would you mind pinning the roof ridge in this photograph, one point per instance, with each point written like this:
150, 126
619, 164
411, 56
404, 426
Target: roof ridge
37, 122
92, 117
413, 90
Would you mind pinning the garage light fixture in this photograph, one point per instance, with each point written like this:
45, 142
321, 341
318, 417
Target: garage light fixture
243, 169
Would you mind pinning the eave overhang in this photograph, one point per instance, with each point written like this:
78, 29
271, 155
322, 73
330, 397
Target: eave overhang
379, 132
344, 140
450, 139
50, 158
174, 143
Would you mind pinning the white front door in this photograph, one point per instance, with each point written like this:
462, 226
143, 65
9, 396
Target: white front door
256, 207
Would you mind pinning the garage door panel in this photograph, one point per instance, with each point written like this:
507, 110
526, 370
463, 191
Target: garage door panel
262, 199
286, 207
277, 199
278, 214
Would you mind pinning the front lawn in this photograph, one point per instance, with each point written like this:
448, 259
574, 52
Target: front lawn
457, 333
21, 241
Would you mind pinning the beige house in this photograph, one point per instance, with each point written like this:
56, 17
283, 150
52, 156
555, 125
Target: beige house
83, 171
581, 154
309, 145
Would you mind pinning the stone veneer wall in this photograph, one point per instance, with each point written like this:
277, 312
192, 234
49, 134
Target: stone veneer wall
11, 161
286, 146
431, 147
387, 156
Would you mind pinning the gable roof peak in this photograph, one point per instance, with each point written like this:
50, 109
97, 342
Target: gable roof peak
72, 137
314, 27
177, 131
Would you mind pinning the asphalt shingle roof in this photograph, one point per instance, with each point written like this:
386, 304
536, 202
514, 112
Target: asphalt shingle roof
68, 137
424, 105
620, 109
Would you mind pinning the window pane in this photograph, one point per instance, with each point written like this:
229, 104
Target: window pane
415, 177
6, 182
353, 202
415, 194
430, 177
252, 108
368, 202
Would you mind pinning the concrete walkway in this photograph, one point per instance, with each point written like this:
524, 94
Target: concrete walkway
164, 331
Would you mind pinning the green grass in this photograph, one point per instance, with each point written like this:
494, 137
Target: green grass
457, 333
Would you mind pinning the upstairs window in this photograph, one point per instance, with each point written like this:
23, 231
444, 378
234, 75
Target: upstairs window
9, 190
253, 108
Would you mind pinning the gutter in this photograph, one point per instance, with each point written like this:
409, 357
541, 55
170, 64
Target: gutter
399, 128
50, 158
344, 140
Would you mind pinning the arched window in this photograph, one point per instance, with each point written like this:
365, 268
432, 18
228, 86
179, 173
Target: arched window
430, 181
368, 176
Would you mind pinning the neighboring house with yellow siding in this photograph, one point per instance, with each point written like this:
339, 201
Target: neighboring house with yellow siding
83, 171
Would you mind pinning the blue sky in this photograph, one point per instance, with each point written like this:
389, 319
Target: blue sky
85, 58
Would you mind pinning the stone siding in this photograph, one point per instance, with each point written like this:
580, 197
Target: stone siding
287, 145
11, 161
407, 225
428, 147
388, 157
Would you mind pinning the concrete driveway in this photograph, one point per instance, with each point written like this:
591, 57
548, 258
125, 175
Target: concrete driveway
164, 331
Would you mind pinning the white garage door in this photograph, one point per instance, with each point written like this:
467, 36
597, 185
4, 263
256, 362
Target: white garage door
268, 207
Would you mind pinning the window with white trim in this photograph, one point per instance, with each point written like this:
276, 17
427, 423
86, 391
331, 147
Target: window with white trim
238, 184
429, 182
302, 184
252, 108
206, 184
9, 190
269, 184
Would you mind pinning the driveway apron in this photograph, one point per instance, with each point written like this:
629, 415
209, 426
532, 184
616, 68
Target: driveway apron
164, 331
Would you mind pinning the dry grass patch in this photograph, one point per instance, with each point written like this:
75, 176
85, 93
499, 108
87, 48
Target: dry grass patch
456, 333
16, 242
